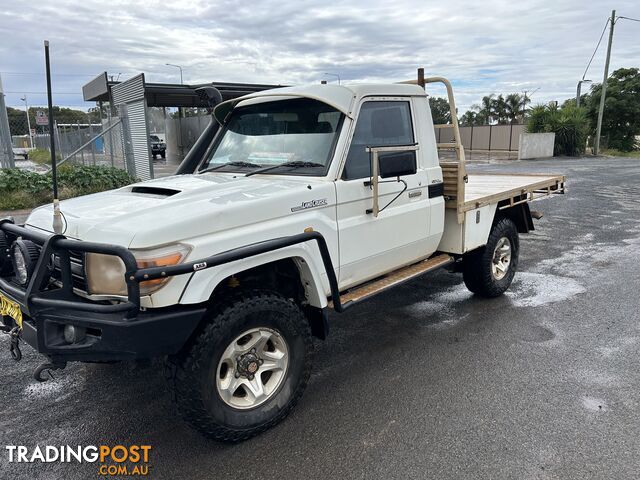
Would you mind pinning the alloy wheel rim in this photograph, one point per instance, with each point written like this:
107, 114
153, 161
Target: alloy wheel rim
252, 368
501, 259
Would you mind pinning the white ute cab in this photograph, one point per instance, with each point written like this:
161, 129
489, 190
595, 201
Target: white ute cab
306, 200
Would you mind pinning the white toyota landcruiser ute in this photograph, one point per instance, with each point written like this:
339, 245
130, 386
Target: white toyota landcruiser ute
306, 200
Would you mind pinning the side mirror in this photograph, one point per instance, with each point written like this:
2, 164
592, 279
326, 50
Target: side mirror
390, 161
397, 164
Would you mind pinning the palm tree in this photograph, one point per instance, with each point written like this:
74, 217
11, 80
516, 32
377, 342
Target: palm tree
500, 109
469, 118
517, 107
485, 110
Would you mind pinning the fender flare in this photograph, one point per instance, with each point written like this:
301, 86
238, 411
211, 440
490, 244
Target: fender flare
202, 284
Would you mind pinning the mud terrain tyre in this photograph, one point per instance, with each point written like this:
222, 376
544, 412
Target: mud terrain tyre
488, 271
246, 369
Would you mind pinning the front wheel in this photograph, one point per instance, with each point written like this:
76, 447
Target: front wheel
247, 369
488, 271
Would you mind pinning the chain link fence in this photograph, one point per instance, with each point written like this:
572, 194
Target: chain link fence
104, 142
88, 141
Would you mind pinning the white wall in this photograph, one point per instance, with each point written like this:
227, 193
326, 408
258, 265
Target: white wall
536, 145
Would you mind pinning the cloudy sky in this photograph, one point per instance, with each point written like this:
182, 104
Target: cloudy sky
490, 46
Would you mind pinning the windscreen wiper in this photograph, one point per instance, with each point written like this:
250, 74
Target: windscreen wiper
231, 164
294, 164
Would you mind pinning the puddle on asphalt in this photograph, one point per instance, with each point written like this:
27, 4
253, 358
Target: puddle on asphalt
528, 290
552, 280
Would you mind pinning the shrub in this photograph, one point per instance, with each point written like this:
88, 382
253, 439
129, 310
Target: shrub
26, 189
537, 119
569, 123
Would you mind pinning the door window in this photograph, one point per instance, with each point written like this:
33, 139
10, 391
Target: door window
380, 123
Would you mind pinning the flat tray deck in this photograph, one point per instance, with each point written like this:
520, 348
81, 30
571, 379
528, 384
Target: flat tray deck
485, 188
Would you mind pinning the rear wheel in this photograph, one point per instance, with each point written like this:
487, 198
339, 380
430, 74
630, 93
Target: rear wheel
246, 370
489, 270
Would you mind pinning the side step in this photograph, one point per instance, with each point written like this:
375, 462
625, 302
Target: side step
393, 279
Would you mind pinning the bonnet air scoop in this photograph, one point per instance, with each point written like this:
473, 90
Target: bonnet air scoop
159, 191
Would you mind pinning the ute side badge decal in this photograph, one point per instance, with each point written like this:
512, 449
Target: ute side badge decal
310, 204
199, 266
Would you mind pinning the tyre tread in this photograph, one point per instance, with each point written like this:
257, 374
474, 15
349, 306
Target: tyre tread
476, 265
181, 370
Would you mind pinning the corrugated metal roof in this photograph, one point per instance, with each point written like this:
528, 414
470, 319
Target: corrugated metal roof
170, 94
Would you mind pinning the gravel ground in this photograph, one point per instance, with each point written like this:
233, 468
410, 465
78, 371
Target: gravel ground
425, 381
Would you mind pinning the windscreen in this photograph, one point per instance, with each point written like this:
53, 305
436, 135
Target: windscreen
273, 133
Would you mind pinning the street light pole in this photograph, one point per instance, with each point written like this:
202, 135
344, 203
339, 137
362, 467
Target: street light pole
578, 90
596, 144
177, 66
26, 107
334, 75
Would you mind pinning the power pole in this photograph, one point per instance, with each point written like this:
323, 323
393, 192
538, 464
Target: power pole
596, 145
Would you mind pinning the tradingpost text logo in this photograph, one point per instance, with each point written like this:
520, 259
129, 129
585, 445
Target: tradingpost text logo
117, 460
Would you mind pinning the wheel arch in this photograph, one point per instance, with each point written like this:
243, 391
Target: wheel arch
291, 273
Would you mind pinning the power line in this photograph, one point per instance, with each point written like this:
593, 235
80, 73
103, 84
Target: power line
597, 46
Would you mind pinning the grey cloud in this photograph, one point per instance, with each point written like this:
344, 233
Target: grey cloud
484, 47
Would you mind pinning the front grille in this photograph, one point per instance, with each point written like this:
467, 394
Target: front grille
78, 275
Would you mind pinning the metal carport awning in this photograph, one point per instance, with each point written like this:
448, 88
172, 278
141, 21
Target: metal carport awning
170, 94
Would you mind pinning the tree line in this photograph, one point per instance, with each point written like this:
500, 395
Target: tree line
620, 125
493, 109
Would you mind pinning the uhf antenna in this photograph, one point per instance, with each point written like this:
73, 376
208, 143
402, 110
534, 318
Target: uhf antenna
57, 216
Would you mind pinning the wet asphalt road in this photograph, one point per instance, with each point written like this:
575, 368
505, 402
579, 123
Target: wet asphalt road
425, 381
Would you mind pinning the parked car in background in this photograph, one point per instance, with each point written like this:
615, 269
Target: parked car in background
158, 147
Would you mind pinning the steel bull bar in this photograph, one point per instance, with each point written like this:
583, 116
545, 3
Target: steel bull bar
37, 300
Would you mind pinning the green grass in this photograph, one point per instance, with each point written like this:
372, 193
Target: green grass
41, 156
618, 153
21, 189
25, 200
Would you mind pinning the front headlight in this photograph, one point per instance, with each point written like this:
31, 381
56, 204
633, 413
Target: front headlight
106, 273
25, 257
